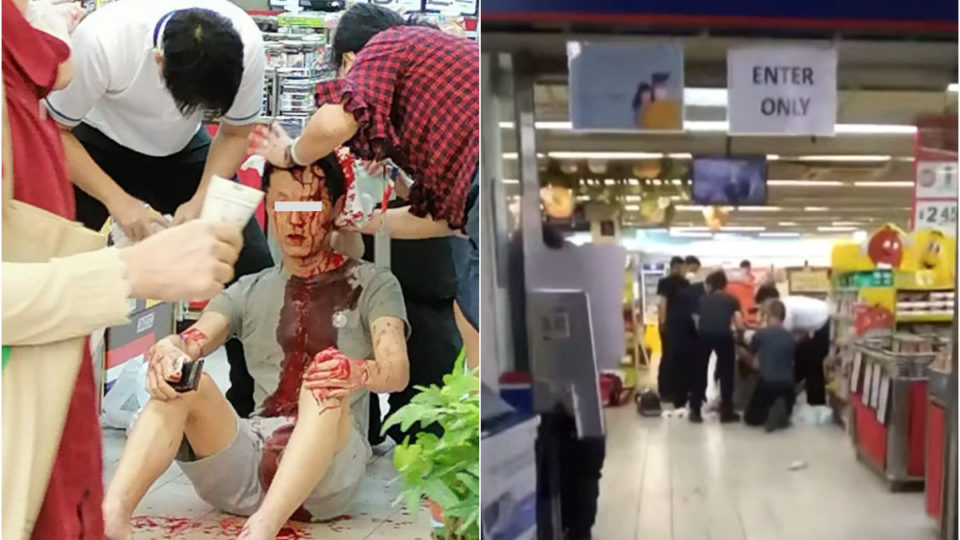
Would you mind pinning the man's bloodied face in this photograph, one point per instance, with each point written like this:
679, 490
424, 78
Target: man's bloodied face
301, 234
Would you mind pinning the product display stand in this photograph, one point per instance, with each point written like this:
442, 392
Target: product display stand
937, 402
888, 394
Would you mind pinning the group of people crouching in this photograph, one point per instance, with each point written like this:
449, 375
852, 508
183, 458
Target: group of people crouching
786, 346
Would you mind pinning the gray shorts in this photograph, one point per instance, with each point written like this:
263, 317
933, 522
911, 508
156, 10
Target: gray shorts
230, 480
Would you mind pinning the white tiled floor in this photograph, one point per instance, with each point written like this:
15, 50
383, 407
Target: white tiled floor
171, 509
667, 479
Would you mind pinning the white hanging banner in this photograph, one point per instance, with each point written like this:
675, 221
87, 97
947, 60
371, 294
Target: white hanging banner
782, 90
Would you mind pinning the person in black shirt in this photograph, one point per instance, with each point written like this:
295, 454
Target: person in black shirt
717, 312
667, 292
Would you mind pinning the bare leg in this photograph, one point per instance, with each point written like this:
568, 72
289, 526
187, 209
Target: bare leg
470, 335
204, 416
305, 461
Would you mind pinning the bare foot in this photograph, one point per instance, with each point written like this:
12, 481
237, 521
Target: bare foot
259, 528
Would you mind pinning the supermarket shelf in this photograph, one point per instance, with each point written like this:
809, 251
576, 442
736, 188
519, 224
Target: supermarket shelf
924, 318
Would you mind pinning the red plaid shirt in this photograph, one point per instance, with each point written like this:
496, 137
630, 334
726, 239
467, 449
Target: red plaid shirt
415, 93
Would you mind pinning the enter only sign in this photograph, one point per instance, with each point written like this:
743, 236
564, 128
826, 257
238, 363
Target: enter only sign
782, 90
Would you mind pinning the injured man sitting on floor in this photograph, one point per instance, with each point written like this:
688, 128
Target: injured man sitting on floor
321, 331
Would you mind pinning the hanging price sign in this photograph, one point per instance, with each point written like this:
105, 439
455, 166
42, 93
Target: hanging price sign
936, 214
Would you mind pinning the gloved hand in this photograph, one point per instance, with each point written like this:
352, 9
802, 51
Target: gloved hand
56, 17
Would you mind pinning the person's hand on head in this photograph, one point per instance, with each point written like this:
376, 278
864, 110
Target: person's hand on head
58, 18
137, 219
273, 143
193, 261
188, 211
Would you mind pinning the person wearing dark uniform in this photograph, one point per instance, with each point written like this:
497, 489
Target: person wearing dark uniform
717, 314
671, 331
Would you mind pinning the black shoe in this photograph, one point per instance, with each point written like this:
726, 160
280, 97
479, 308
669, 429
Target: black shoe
729, 417
777, 417
695, 416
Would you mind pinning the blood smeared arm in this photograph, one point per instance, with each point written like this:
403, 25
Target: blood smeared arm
402, 225
206, 335
334, 376
390, 369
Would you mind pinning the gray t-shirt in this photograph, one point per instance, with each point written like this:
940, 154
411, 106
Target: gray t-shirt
774, 347
284, 320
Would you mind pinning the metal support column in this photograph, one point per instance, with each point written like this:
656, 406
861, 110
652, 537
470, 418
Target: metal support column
948, 498
549, 523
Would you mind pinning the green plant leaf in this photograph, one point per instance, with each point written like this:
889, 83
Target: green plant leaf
472, 482
439, 492
445, 468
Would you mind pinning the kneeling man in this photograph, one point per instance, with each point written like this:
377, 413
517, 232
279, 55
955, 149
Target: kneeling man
320, 331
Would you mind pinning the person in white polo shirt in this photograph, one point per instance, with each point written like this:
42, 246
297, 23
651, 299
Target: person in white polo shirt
145, 73
809, 319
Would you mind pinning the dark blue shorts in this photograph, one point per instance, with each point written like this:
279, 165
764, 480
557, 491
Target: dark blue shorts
468, 265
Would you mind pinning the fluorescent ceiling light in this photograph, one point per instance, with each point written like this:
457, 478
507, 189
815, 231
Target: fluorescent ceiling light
846, 223
689, 234
815, 208
515, 156
759, 208
742, 229
836, 229
806, 183
511, 181
779, 234
689, 208
722, 126
787, 223
853, 158
837, 157
605, 155
875, 129
631, 207
871, 183
722, 229
718, 126
952, 87
705, 97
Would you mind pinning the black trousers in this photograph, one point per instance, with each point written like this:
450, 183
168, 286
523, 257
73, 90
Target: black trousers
165, 183
723, 346
664, 370
695, 364
810, 354
571, 468
673, 379
763, 399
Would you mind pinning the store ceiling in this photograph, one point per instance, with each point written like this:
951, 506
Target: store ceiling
859, 178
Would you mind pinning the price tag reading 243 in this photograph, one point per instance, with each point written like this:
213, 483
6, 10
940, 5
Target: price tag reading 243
936, 215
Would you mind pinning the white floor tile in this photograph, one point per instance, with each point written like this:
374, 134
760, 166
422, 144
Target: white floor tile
667, 479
